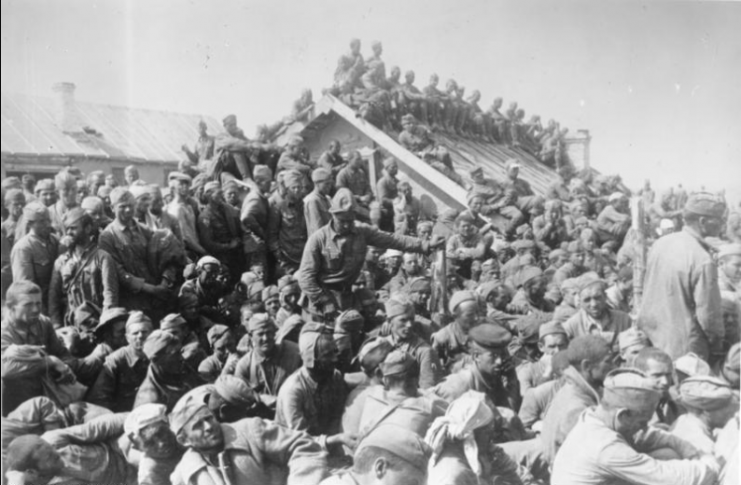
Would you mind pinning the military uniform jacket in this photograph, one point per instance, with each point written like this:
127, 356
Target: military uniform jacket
32, 259
91, 276
430, 368
316, 211
286, 234
260, 452
266, 375
118, 382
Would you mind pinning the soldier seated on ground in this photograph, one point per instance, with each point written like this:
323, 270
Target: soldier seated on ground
418, 140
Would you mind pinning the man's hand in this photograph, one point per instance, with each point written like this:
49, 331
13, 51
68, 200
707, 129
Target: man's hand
62, 370
347, 439
436, 242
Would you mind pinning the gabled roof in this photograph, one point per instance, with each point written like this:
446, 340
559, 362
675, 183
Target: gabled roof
30, 128
465, 154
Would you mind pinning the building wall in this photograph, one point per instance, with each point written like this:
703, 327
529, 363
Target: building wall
42, 167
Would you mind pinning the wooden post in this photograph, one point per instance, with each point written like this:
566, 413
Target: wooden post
639, 262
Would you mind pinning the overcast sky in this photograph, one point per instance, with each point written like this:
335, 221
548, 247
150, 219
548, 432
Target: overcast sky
656, 83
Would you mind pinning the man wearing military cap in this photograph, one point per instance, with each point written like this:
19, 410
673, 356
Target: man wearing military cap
184, 209
418, 140
630, 343
125, 369
248, 451
681, 309
266, 365
552, 338
410, 268
467, 249
402, 335
312, 399
148, 430
419, 290
231, 399
255, 209
497, 199
32, 257
659, 369
167, 380
388, 455
84, 273
333, 257
289, 294
550, 228
65, 183
387, 192
574, 267
220, 231
531, 287
206, 288
286, 229
191, 348
491, 370
223, 353
317, 203
354, 177
710, 403
128, 242
605, 445
331, 159
451, 341
595, 316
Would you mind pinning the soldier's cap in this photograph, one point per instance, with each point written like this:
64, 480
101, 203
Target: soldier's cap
288, 285
104, 191
490, 335
207, 260
486, 289
419, 283
73, 216
631, 389
398, 362
289, 325
587, 280
349, 321
373, 352
512, 163
569, 284
630, 337
92, 203
320, 175
11, 183
157, 342
460, 297
705, 392
229, 119
138, 318
343, 202
260, 321
556, 253
705, 204
85, 312
173, 320
179, 177
401, 442
216, 333
408, 118
528, 326
230, 185
44, 184
398, 305
262, 172
15, 195
142, 416
35, 211
732, 249
527, 274
465, 217
550, 328
388, 161
111, 316
523, 244
393, 253
617, 196
235, 390
211, 186
692, 365
187, 299
64, 179
188, 406
120, 195
269, 293
575, 246
308, 340
253, 291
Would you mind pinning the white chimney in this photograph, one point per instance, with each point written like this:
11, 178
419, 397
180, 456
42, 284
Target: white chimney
68, 118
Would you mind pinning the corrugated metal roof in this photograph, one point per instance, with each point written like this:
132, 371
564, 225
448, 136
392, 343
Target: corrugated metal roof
29, 127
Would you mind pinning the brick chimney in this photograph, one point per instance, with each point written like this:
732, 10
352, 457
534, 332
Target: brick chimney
68, 118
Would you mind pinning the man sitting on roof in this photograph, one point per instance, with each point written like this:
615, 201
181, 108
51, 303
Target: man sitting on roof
418, 140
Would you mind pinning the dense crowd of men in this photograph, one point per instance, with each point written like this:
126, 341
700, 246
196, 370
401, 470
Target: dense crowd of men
267, 318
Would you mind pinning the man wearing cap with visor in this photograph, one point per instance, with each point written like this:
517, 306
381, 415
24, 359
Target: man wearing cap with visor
267, 364
388, 455
85, 273
333, 258
318, 202
248, 451
681, 309
611, 443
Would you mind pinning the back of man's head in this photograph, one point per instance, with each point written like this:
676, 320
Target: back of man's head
590, 348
